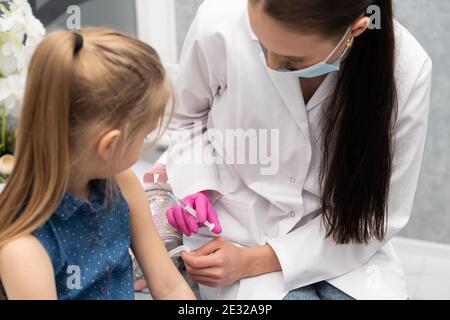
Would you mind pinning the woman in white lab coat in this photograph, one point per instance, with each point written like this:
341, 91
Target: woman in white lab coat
341, 102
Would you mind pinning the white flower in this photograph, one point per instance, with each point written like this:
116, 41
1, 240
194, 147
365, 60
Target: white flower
34, 30
20, 5
11, 91
16, 25
8, 64
7, 164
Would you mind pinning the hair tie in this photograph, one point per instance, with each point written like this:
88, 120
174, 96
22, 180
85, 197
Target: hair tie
78, 42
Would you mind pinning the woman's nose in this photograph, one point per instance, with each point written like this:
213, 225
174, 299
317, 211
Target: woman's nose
274, 61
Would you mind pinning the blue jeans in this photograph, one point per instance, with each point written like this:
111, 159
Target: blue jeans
318, 291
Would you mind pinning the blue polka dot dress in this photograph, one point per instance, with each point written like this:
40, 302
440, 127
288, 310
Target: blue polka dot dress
88, 243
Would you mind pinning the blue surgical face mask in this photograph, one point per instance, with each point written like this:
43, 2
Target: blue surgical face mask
320, 68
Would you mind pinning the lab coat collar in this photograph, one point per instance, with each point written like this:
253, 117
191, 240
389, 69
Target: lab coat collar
289, 90
324, 91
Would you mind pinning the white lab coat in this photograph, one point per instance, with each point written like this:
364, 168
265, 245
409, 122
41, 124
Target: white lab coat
225, 83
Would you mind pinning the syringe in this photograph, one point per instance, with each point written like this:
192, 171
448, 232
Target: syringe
190, 210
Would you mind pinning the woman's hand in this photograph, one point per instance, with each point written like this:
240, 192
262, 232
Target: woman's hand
186, 223
219, 262
178, 217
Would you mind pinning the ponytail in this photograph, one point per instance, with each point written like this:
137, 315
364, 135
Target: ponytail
41, 173
358, 137
358, 119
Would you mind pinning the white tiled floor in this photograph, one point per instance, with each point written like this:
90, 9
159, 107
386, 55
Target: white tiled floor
427, 268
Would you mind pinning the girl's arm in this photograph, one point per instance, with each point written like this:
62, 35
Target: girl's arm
26, 270
163, 278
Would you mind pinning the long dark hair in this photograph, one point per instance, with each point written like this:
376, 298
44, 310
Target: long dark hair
357, 137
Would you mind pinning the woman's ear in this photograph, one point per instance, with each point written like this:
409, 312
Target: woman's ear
106, 147
360, 26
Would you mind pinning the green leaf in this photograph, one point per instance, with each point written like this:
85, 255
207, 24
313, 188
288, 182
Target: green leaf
3, 8
7, 135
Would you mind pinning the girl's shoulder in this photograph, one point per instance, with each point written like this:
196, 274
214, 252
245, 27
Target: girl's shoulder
26, 266
48, 239
130, 188
20, 248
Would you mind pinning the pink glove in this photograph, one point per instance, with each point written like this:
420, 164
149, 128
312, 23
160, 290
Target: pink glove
185, 222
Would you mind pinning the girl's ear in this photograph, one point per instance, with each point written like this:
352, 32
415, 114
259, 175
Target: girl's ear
106, 147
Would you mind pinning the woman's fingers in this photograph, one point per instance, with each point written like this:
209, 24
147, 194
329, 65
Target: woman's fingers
210, 247
199, 262
179, 218
213, 218
205, 212
214, 273
171, 219
190, 220
201, 207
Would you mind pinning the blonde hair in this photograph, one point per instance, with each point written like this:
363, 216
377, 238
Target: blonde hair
113, 80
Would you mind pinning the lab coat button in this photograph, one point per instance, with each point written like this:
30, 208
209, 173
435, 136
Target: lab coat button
293, 180
292, 214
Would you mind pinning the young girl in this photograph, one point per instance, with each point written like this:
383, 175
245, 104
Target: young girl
72, 207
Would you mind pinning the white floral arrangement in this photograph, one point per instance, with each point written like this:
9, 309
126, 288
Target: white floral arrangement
20, 32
